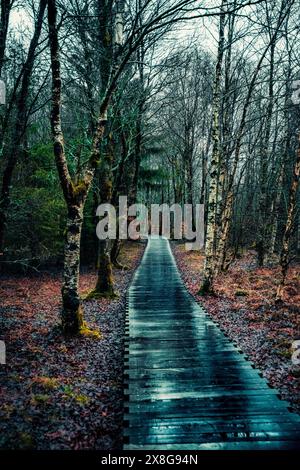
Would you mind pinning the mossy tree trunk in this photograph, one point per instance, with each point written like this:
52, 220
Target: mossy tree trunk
75, 191
115, 253
72, 312
105, 285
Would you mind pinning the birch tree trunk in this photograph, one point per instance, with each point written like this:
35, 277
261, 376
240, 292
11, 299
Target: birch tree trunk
224, 210
210, 244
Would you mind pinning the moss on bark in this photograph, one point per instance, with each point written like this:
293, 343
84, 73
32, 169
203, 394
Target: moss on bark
89, 333
206, 288
72, 313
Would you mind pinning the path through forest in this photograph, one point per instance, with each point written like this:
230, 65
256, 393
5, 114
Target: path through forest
189, 387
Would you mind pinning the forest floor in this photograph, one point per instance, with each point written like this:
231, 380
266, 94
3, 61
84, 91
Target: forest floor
62, 393
244, 307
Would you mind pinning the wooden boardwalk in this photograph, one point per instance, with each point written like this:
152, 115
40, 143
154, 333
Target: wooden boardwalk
187, 385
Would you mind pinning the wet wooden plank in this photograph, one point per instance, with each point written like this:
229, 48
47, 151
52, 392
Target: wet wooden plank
180, 436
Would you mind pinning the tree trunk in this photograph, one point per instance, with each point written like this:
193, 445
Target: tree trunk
209, 265
115, 253
224, 237
105, 285
139, 126
284, 256
118, 190
275, 214
4, 203
224, 202
72, 311
189, 184
137, 155
75, 194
